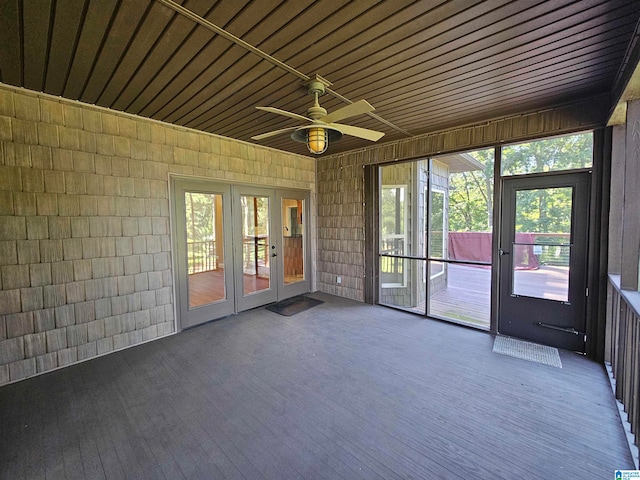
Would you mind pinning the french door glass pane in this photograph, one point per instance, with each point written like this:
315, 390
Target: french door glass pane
293, 240
541, 252
255, 243
205, 252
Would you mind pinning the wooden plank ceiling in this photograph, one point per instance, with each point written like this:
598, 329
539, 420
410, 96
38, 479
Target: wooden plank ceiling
424, 65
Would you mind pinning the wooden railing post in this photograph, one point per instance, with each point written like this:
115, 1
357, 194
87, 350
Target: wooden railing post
623, 352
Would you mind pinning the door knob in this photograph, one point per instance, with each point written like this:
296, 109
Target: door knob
502, 252
274, 254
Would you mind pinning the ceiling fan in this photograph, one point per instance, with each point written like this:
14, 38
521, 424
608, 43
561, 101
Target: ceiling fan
322, 127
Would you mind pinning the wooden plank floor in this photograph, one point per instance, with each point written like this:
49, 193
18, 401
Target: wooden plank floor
208, 287
342, 391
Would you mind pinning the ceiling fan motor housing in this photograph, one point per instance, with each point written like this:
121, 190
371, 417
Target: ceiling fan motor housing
316, 111
324, 128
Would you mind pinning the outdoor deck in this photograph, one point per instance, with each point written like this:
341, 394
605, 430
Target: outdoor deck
467, 297
344, 390
468, 294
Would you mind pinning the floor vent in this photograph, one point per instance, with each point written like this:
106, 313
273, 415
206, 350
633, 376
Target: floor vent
527, 351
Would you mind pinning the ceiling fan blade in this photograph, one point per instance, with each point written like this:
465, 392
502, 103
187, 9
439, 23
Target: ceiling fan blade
356, 108
358, 132
285, 113
274, 133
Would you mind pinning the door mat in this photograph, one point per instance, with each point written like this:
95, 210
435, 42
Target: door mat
294, 305
527, 351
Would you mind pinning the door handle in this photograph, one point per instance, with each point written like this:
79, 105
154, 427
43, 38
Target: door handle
274, 254
501, 252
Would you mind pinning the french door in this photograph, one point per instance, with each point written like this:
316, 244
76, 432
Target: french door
236, 247
543, 267
256, 264
203, 257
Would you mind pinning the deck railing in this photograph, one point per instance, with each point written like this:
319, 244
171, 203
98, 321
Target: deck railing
255, 253
201, 256
622, 350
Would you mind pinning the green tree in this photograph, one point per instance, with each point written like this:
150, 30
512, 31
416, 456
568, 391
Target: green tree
471, 196
199, 209
551, 154
541, 211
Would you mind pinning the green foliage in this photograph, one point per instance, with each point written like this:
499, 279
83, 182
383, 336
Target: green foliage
543, 211
437, 224
471, 196
200, 225
552, 154
255, 215
199, 215
392, 210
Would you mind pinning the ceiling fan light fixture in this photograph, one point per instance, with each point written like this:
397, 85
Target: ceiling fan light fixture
317, 137
323, 129
317, 140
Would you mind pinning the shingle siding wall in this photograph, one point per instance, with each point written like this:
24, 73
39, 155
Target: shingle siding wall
85, 264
